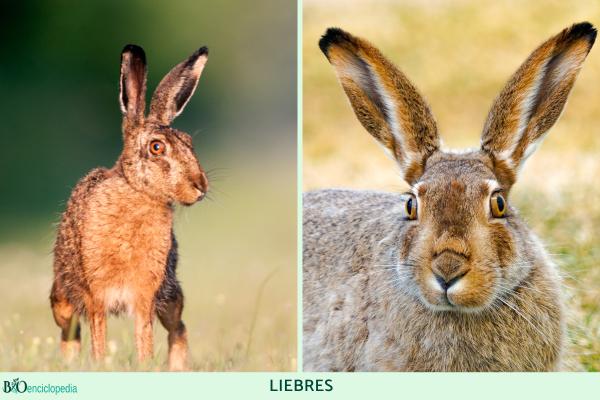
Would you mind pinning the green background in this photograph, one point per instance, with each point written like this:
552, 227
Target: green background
59, 78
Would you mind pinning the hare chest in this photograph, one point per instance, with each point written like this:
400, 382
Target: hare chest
125, 243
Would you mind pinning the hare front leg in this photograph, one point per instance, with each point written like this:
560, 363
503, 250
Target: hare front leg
97, 317
144, 340
67, 320
169, 314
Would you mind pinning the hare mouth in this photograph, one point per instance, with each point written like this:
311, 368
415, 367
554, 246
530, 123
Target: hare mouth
455, 308
199, 196
444, 303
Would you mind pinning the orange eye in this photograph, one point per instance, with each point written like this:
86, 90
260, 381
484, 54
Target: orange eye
157, 147
498, 205
410, 207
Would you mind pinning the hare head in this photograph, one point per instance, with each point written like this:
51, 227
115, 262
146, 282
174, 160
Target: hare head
463, 247
158, 159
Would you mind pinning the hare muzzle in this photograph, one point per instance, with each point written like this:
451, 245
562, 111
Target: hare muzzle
448, 268
201, 185
450, 285
194, 189
455, 282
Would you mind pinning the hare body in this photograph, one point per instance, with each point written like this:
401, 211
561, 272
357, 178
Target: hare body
115, 250
445, 277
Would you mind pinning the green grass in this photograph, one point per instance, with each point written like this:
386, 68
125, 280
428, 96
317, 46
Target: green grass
238, 272
460, 54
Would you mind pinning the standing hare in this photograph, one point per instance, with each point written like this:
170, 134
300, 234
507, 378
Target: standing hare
116, 250
445, 277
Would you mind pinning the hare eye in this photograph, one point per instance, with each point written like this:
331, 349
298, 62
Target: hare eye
410, 208
498, 205
157, 147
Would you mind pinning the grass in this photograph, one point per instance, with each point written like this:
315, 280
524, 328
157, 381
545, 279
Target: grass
238, 272
459, 54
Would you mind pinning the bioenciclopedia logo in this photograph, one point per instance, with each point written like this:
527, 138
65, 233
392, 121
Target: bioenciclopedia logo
19, 386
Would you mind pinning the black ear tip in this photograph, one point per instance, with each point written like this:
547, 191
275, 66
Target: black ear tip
583, 30
202, 51
135, 50
333, 36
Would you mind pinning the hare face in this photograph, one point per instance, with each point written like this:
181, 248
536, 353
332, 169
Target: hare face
465, 248
162, 163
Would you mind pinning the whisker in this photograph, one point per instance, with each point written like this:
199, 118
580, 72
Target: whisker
522, 316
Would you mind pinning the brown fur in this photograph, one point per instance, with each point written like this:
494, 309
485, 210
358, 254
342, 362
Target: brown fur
365, 74
456, 288
535, 97
115, 250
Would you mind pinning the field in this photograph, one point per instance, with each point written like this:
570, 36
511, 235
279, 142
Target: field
459, 54
238, 272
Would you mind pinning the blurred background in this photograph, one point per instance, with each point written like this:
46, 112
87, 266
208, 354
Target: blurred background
460, 54
59, 70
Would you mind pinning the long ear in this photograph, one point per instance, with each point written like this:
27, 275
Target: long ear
533, 99
133, 83
177, 87
383, 99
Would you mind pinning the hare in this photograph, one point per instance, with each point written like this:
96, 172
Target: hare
445, 277
115, 250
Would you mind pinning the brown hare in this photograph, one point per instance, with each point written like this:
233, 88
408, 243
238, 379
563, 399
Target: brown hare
116, 250
445, 277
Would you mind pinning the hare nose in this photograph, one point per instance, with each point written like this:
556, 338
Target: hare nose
448, 268
202, 182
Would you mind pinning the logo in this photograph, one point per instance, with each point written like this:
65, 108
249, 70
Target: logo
15, 386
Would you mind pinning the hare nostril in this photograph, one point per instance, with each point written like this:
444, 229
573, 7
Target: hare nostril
445, 282
441, 281
201, 183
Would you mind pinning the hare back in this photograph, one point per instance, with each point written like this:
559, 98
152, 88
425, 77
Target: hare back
112, 245
358, 314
